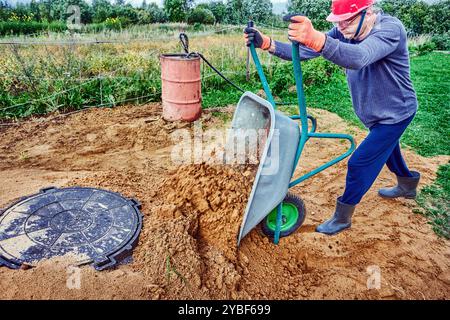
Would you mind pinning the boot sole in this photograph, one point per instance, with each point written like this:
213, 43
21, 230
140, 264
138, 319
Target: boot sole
404, 197
333, 234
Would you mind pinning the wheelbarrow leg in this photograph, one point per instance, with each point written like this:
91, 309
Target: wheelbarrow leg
276, 237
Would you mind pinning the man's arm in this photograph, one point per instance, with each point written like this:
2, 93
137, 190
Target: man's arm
284, 50
357, 56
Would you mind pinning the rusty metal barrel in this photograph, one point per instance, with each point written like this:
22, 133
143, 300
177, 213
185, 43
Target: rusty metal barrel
181, 87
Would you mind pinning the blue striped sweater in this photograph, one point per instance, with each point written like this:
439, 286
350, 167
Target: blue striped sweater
377, 69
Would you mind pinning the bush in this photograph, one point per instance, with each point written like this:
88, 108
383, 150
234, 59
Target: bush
113, 23
316, 10
418, 16
198, 27
29, 27
425, 48
201, 15
442, 41
316, 72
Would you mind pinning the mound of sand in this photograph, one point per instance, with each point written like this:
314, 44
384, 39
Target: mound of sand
192, 215
57, 278
218, 195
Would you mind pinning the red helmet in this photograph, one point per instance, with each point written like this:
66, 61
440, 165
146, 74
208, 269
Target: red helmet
345, 9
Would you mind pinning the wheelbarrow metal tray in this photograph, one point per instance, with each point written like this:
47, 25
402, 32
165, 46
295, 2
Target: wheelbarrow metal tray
276, 161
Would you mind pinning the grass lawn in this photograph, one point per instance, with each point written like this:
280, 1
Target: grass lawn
430, 131
435, 202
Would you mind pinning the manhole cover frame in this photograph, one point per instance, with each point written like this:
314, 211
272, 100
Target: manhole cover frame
112, 258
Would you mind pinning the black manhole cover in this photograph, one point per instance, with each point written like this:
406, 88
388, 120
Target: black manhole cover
98, 226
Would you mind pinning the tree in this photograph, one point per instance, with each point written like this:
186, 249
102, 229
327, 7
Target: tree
34, 10
257, 10
234, 12
45, 10
177, 10
397, 8
157, 14
126, 14
4, 10
201, 15
316, 10
419, 17
59, 10
240, 11
440, 16
102, 10
219, 10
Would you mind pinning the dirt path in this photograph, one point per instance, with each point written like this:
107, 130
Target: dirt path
184, 249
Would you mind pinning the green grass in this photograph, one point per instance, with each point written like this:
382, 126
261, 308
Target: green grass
334, 97
30, 27
435, 202
429, 132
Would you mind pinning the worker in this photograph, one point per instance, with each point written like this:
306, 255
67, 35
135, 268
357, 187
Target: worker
372, 47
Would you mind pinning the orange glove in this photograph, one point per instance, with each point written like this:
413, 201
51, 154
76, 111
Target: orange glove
302, 31
257, 37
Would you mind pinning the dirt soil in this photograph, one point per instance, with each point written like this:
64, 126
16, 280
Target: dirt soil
192, 214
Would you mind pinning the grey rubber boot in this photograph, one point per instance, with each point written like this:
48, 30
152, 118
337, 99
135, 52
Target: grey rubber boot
406, 187
341, 220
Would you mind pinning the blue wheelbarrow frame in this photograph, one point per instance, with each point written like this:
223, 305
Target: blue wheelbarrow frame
303, 117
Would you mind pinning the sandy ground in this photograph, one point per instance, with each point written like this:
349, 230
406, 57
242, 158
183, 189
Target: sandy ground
191, 214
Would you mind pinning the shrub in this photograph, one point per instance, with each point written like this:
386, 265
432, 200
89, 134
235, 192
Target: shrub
316, 10
201, 15
316, 72
425, 48
197, 27
442, 41
29, 27
113, 23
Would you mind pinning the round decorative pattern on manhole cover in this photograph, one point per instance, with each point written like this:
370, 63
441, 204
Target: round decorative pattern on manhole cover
99, 227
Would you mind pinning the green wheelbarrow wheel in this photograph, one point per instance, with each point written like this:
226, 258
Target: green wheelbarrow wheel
293, 215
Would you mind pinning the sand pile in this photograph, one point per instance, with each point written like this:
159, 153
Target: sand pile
167, 254
186, 247
218, 194
93, 140
58, 278
177, 264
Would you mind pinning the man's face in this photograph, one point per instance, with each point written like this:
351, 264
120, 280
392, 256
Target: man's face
349, 27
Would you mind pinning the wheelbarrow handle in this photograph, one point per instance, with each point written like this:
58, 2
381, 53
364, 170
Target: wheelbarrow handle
288, 17
298, 75
260, 71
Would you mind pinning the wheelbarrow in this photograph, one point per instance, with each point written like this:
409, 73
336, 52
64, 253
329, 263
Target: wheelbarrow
278, 212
